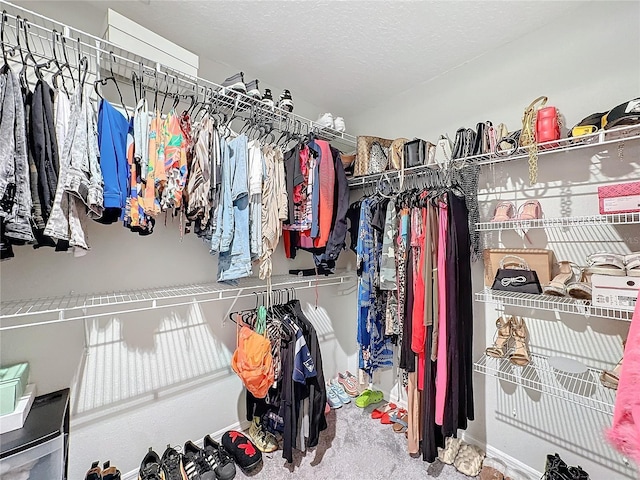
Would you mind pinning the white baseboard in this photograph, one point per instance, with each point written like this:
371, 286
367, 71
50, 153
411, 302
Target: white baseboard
242, 425
515, 467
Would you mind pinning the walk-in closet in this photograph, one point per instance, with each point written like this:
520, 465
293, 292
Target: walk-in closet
329, 240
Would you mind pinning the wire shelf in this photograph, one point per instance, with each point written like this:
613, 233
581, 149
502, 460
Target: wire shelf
582, 389
550, 303
43, 311
583, 221
600, 138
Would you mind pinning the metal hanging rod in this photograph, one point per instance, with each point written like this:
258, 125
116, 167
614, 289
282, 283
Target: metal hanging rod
125, 63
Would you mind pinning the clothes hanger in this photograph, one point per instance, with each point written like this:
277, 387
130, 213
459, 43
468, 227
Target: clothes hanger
2, 27
56, 37
112, 77
36, 66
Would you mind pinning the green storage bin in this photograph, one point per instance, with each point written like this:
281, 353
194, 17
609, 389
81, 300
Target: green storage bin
13, 381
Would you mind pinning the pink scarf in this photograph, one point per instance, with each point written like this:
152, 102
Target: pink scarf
624, 435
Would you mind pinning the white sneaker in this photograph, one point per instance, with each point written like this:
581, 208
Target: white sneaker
339, 124
325, 120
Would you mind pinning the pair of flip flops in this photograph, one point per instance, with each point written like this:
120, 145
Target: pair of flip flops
369, 397
400, 420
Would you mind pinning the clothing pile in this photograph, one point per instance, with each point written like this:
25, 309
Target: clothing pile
414, 291
294, 404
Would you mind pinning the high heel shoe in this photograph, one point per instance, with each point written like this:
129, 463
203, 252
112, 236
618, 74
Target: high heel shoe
582, 288
529, 210
503, 336
611, 378
520, 355
504, 212
558, 286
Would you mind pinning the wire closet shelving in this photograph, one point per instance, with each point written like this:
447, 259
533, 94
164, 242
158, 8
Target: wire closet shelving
562, 222
582, 389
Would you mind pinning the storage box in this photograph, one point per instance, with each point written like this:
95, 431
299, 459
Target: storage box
43, 461
13, 381
619, 198
615, 292
538, 259
15, 420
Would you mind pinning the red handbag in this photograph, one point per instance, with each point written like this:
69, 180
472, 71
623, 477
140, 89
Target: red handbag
547, 125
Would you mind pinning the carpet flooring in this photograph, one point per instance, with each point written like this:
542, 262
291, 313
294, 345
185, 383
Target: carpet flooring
354, 447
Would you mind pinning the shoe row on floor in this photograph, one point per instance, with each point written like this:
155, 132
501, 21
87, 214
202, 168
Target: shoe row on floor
342, 389
236, 83
391, 414
512, 342
215, 461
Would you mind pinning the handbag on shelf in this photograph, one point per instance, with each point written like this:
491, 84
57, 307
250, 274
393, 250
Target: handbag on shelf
443, 151
482, 143
528, 135
363, 154
464, 143
416, 152
378, 158
396, 151
547, 125
514, 275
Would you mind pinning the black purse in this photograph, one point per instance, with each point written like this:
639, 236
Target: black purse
415, 153
481, 144
516, 277
464, 143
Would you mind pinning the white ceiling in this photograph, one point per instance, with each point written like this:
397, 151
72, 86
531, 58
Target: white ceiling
343, 55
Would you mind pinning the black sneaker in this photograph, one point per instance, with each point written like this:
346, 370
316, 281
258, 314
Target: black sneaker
225, 468
252, 89
267, 98
172, 465
196, 464
109, 472
243, 450
150, 467
235, 82
286, 102
94, 473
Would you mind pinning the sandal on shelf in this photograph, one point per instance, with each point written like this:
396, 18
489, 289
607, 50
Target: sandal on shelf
529, 210
582, 288
380, 411
604, 263
520, 355
400, 421
611, 378
369, 397
558, 286
503, 337
504, 212
632, 264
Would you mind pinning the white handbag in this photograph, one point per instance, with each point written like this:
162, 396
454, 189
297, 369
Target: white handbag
443, 151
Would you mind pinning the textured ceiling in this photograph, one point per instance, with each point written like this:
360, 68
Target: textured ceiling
343, 55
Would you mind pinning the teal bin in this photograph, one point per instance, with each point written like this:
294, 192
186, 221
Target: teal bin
13, 381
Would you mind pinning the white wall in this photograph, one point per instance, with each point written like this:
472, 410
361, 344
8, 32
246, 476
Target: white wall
156, 377
569, 62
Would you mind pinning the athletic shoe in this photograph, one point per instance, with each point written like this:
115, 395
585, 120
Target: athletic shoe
196, 463
150, 468
172, 465
242, 449
225, 469
286, 102
337, 388
252, 89
109, 472
332, 397
267, 98
235, 82
264, 440
94, 473
339, 124
349, 383
325, 120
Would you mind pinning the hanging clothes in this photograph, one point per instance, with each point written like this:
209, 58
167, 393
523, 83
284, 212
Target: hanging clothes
79, 192
173, 154
256, 174
15, 190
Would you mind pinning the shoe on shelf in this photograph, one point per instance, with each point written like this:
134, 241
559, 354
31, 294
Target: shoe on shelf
196, 463
503, 338
225, 469
172, 465
504, 212
604, 263
369, 397
337, 388
338, 125
349, 382
558, 286
332, 397
325, 120
286, 102
111, 473
150, 468
94, 473
242, 449
267, 98
556, 469
529, 210
520, 355
235, 82
252, 89
265, 441
582, 288
632, 264
611, 378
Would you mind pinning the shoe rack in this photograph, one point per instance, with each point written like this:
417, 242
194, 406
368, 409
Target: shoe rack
584, 388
